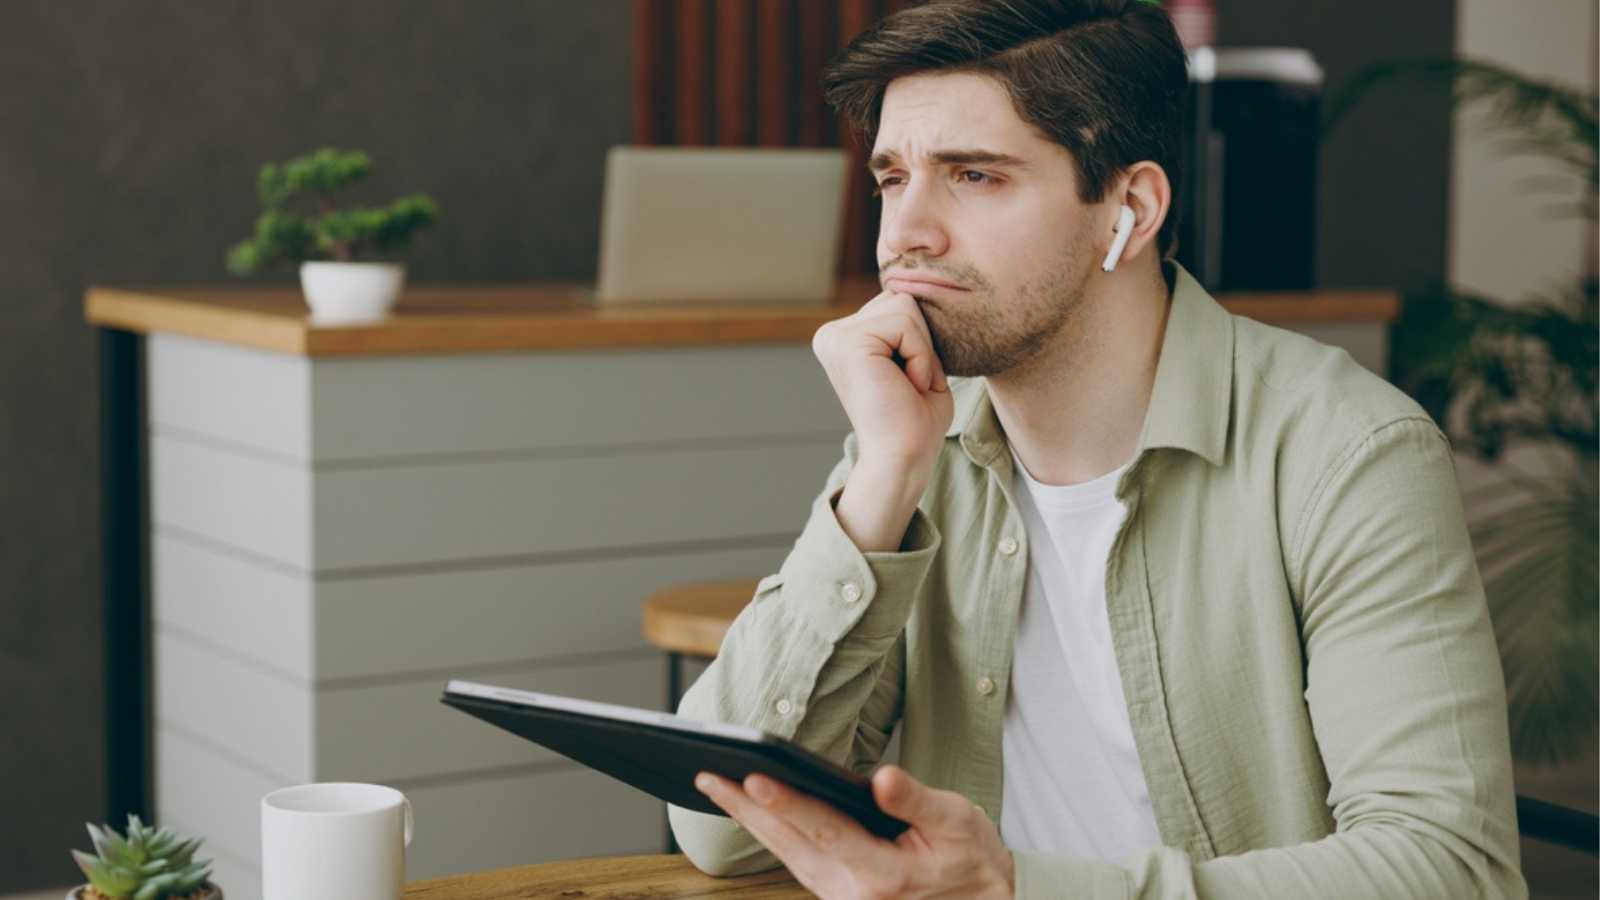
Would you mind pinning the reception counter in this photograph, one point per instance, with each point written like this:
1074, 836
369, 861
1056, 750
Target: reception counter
333, 521
476, 319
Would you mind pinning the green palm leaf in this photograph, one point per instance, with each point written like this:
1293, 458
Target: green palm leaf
1539, 564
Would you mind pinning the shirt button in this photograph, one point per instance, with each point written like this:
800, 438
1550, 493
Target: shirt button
985, 685
850, 592
785, 707
1008, 546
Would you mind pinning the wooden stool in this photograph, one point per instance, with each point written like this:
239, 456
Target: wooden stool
690, 620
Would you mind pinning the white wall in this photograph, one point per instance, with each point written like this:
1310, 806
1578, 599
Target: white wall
1504, 240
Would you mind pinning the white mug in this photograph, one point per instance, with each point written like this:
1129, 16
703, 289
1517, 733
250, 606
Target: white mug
336, 841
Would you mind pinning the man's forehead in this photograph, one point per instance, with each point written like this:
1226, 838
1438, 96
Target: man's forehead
929, 117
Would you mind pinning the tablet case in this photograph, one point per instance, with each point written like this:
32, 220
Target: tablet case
661, 757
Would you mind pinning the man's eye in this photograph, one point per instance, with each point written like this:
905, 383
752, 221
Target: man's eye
891, 181
974, 177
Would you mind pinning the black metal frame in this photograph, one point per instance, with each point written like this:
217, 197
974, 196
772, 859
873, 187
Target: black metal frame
1554, 824
125, 612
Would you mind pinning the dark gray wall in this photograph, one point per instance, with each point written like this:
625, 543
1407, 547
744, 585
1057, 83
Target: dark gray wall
1383, 206
130, 135
129, 139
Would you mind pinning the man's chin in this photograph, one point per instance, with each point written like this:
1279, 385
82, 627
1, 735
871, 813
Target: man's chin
954, 359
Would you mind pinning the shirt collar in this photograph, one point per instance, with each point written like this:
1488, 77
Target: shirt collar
1190, 402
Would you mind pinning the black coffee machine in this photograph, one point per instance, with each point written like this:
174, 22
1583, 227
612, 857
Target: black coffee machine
1248, 220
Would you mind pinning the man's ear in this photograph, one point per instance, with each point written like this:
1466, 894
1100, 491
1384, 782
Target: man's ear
1147, 192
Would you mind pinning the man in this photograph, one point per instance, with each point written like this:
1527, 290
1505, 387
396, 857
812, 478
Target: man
1167, 603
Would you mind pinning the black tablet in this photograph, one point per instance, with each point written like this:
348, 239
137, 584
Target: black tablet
661, 753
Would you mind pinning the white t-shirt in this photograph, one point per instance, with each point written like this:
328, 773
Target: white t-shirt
1073, 785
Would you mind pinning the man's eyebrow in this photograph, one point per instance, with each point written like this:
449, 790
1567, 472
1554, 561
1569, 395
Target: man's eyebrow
956, 157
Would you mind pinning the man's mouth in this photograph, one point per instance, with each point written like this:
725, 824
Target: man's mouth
913, 284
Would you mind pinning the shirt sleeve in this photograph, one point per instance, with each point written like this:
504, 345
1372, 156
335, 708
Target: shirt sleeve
817, 657
1407, 701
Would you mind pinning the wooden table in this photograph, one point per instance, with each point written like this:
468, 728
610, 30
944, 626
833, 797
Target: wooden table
610, 878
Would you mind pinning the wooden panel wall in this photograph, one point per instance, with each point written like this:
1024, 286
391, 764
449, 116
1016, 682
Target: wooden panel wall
738, 73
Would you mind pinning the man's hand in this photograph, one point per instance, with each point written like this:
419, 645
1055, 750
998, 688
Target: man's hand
950, 850
881, 363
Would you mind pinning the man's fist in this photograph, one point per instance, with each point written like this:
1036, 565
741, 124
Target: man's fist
882, 365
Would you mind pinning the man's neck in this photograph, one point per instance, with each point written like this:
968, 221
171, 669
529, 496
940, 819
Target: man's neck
1076, 411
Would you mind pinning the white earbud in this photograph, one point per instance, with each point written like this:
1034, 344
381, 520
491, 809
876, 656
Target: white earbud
1123, 231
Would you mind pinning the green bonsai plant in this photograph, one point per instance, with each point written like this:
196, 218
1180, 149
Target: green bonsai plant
1495, 376
145, 865
324, 232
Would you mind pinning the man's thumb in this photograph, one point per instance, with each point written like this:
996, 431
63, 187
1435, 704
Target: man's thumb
908, 800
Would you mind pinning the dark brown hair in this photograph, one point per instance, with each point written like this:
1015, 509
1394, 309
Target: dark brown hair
1106, 79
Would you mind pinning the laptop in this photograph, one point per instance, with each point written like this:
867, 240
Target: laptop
692, 224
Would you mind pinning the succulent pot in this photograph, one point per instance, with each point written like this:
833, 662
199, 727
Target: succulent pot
208, 892
342, 293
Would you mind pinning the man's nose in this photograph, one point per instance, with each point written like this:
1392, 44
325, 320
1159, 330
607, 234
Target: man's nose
913, 224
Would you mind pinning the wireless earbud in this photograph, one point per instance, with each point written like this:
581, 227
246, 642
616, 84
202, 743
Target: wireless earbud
1123, 231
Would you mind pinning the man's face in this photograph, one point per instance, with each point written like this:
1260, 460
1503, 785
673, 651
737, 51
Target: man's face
980, 200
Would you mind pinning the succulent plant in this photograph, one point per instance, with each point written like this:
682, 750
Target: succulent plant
147, 864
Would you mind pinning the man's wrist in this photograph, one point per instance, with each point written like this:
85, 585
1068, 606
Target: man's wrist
876, 505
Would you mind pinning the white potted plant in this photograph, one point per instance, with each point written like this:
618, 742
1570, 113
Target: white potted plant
348, 272
147, 864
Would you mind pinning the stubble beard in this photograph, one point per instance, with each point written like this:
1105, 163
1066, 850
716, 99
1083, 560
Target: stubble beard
985, 335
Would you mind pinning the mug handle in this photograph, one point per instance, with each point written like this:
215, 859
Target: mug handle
409, 823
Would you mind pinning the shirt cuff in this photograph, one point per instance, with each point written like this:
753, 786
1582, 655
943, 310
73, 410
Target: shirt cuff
838, 590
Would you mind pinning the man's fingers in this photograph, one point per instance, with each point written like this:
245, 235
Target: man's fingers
830, 830
902, 333
909, 800
810, 837
936, 380
909, 305
893, 303
887, 301
771, 830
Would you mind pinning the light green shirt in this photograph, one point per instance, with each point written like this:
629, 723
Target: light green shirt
1298, 620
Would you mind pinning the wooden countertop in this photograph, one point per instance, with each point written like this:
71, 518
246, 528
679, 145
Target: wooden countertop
619, 878
477, 318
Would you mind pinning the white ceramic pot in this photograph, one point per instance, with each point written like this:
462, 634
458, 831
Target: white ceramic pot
215, 892
343, 293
